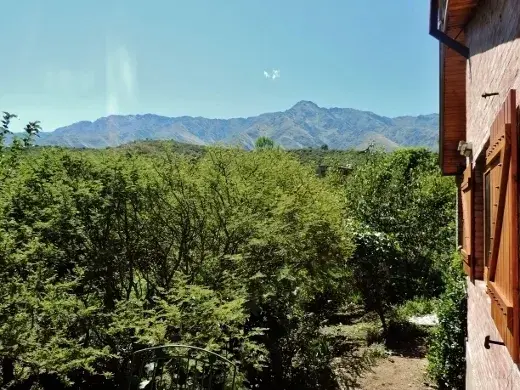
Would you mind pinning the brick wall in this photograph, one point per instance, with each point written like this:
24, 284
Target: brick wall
493, 38
486, 369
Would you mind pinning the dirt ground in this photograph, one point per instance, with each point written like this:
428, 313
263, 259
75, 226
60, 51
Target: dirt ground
399, 360
404, 369
396, 373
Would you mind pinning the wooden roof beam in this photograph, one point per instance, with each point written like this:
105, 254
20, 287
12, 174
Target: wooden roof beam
441, 35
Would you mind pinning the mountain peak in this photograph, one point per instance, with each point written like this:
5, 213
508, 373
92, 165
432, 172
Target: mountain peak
305, 104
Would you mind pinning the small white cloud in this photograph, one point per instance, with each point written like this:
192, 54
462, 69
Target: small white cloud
274, 74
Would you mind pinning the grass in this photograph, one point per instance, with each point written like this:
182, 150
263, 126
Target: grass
417, 307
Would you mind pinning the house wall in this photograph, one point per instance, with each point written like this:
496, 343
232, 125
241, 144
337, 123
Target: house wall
486, 369
493, 38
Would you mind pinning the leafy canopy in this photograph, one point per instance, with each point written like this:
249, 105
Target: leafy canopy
264, 143
106, 252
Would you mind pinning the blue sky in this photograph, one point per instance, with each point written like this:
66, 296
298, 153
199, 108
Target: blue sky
65, 61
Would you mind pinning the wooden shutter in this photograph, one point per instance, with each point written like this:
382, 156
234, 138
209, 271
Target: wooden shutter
466, 197
502, 270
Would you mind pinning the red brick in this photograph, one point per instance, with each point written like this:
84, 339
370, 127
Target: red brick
493, 38
494, 65
486, 369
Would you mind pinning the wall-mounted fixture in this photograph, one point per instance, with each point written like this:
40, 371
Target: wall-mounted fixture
465, 148
488, 94
488, 341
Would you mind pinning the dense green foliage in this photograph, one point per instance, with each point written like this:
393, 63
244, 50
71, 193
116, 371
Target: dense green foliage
378, 267
417, 307
154, 147
447, 357
406, 210
248, 254
330, 158
264, 143
105, 253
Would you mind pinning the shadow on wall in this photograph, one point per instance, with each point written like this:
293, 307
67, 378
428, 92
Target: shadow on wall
502, 29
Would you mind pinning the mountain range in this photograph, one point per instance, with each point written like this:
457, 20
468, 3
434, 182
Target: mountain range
303, 125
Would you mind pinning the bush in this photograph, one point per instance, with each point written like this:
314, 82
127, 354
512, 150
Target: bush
247, 254
377, 271
264, 143
403, 196
104, 252
447, 355
417, 307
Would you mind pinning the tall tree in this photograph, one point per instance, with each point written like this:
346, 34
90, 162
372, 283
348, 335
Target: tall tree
264, 143
404, 196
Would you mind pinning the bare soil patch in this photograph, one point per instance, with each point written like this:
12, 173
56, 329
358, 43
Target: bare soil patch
405, 368
396, 373
399, 358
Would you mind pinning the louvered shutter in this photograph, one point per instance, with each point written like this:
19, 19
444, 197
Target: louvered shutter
466, 198
501, 270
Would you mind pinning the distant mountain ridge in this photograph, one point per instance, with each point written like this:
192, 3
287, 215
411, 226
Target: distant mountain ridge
303, 125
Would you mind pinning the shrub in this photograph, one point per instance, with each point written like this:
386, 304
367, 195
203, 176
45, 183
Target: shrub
264, 143
417, 307
446, 357
377, 272
403, 195
104, 253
